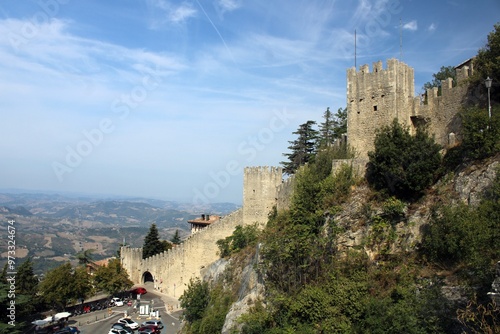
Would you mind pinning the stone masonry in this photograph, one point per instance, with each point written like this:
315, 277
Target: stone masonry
375, 98
172, 270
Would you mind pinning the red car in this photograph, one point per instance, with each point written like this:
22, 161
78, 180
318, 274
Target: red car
139, 291
149, 329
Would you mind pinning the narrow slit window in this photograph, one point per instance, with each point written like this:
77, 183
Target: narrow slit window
374, 108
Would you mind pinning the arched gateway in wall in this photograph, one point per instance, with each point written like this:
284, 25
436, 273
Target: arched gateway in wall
147, 277
172, 270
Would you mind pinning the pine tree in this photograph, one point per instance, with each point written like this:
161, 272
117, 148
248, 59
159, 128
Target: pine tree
26, 281
152, 243
302, 149
176, 239
340, 123
326, 129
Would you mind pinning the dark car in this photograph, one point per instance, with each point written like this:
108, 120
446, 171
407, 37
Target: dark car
68, 330
123, 327
157, 323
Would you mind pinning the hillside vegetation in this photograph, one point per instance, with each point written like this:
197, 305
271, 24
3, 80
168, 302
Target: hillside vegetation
408, 249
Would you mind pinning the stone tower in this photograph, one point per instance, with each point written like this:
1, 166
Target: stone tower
260, 186
374, 99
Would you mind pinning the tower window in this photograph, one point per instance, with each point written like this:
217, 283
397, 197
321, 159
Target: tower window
374, 108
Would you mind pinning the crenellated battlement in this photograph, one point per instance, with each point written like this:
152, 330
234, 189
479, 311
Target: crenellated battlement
172, 269
375, 98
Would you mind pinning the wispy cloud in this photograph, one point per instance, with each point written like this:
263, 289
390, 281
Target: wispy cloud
164, 12
227, 5
431, 27
412, 25
182, 13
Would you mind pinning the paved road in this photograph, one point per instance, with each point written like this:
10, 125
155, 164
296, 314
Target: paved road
100, 321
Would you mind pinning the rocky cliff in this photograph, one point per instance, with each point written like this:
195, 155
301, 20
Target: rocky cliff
465, 185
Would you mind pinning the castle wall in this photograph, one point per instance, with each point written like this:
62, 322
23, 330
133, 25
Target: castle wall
375, 98
260, 193
285, 193
173, 269
440, 112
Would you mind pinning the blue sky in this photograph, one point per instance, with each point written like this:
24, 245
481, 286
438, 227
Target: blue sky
172, 99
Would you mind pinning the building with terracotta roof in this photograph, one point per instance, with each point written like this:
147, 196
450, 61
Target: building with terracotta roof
202, 222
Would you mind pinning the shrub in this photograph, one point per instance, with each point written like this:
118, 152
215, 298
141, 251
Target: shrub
481, 135
401, 164
241, 237
195, 299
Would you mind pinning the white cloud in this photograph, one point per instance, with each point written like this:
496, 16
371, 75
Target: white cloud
412, 25
432, 27
228, 5
182, 13
164, 12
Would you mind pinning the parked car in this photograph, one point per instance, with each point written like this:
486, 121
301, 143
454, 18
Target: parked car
129, 322
150, 329
157, 323
139, 291
122, 327
117, 331
68, 330
116, 301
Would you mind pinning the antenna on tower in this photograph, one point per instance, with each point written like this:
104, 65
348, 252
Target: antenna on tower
355, 66
400, 40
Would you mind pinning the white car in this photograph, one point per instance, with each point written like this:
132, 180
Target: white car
116, 301
117, 331
128, 322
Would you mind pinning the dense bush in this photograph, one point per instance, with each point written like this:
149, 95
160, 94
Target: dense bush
467, 236
241, 237
402, 164
194, 300
481, 135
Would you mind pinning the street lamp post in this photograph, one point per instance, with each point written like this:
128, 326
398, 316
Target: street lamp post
487, 83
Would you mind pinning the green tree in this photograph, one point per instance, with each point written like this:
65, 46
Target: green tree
326, 129
487, 64
302, 149
195, 299
85, 257
152, 243
176, 239
333, 127
26, 280
481, 136
112, 278
27, 299
401, 164
81, 284
241, 237
64, 284
340, 123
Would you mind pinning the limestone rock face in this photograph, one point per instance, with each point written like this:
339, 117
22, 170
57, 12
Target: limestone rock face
471, 182
251, 287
